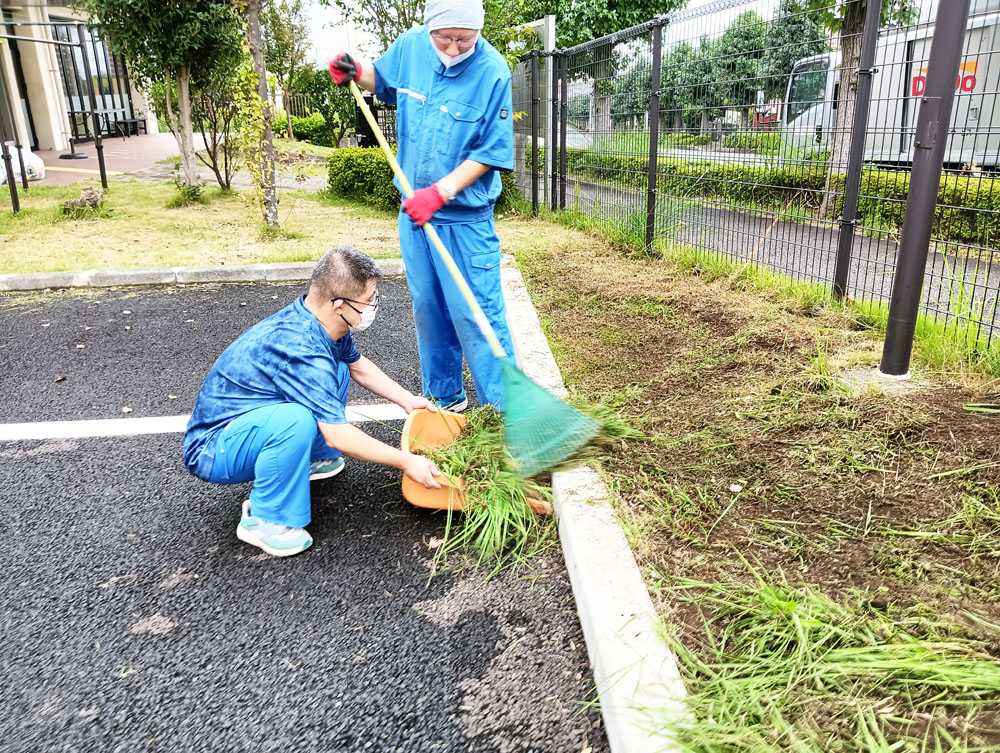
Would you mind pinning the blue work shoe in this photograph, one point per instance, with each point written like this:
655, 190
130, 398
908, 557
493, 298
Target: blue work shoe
455, 404
274, 538
326, 468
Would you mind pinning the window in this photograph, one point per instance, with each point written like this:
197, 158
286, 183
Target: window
807, 89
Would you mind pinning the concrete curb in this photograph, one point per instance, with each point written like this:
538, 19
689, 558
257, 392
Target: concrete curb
173, 276
638, 683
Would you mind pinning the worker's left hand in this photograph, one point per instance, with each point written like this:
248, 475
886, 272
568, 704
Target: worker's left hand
415, 402
423, 204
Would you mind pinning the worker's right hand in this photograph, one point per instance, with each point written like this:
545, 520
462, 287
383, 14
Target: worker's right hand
422, 470
344, 69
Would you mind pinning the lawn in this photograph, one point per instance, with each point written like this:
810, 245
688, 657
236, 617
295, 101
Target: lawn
138, 231
825, 559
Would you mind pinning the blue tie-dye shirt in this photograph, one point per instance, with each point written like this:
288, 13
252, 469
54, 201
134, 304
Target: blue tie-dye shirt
286, 358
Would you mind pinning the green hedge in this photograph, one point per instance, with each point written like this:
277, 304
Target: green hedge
761, 142
968, 211
685, 139
365, 175
311, 128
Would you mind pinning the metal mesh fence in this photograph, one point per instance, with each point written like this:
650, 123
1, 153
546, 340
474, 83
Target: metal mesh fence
740, 129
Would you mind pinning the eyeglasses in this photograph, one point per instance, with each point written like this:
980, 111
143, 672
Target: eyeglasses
462, 43
363, 304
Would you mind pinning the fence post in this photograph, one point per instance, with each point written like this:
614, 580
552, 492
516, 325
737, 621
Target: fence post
534, 132
930, 141
551, 147
98, 144
654, 134
15, 203
16, 137
856, 155
563, 123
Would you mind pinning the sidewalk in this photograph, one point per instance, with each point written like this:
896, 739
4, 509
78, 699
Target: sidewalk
130, 155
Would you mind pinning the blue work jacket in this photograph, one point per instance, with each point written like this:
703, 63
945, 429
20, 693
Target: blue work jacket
446, 116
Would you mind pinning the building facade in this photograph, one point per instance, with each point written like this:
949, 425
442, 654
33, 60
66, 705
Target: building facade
44, 95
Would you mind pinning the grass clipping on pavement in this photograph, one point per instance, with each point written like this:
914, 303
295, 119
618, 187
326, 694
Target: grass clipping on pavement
497, 526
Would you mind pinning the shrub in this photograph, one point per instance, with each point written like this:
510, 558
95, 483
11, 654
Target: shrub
312, 128
968, 207
685, 139
365, 175
187, 193
762, 142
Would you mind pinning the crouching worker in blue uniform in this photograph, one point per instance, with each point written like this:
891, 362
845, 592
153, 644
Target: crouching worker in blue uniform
454, 132
272, 409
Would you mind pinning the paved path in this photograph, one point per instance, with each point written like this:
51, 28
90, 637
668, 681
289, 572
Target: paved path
135, 621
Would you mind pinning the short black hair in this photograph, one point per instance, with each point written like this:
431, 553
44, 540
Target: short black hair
344, 272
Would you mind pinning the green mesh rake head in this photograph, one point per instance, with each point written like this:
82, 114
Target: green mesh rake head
540, 430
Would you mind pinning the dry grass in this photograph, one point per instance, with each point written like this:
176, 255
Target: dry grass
139, 231
760, 464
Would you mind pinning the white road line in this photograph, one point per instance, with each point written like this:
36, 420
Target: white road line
133, 427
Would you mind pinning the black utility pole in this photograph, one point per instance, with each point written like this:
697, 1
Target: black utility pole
933, 122
856, 155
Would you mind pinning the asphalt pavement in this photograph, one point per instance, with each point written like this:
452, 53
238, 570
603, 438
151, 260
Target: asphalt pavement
134, 620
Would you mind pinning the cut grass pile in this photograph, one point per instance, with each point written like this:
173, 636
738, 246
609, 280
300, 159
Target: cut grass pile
826, 559
497, 526
775, 665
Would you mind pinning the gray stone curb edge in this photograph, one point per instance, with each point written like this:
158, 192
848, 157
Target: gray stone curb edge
172, 276
639, 686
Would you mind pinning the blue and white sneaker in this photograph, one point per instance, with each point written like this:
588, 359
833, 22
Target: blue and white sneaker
458, 406
274, 538
326, 468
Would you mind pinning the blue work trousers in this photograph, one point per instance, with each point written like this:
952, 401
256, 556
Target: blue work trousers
273, 447
445, 325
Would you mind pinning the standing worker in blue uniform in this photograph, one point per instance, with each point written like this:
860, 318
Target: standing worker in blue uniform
454, 132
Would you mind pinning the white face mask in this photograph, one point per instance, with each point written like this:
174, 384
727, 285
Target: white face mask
367, 317
368, 314
448, 61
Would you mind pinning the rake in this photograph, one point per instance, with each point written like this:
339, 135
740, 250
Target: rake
540, 430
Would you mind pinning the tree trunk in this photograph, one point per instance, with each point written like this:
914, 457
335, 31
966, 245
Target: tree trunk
840, 139
186, 131
288, 112
268, 188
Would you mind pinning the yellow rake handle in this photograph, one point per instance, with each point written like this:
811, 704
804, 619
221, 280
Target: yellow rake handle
477, 312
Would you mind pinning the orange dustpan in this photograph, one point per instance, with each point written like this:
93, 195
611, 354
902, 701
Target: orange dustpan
431, 430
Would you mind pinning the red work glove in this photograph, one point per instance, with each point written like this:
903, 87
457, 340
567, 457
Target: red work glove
343, 68
423, 204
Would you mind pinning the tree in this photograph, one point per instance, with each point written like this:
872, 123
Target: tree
266, 178
286, 43
215, 108
738, 64
385, 19
795, 33
333, 102
579, 21
176, 44
848, 20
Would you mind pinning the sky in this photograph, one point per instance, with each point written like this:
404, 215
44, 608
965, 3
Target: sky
330, 34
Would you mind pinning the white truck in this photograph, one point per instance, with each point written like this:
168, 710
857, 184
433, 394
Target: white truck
901, 63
